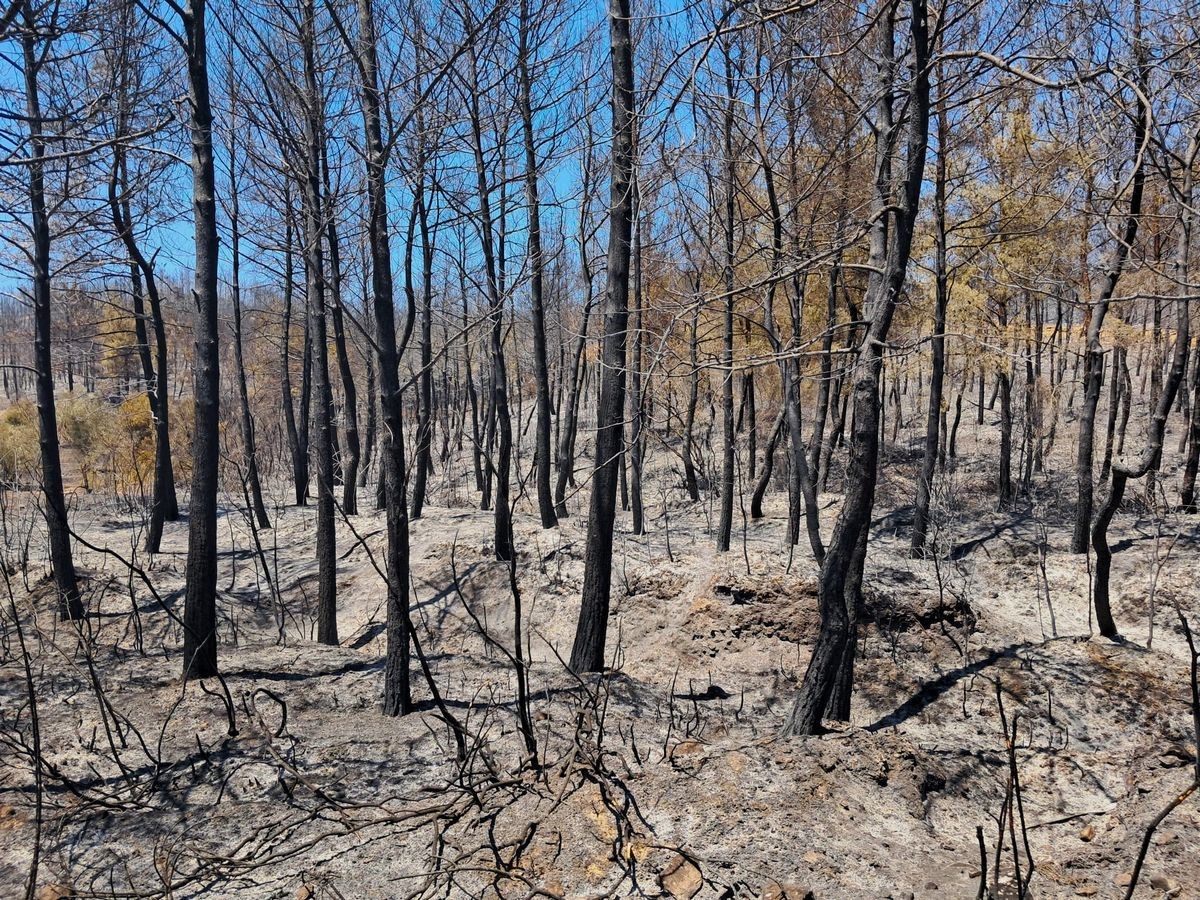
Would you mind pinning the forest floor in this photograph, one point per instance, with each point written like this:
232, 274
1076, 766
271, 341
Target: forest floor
664, 778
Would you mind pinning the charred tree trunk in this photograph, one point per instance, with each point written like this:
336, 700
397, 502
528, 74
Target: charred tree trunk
299, 451
725, 521
541, 373
587, 653
1187, 495
637, 439
829, 677
250, 454
397, 696
165, 505
62, 564
351, 444
1124, 470
566, 450
937, 374
689, 419
200, 603
314, 232
1093, 360
501, 464
423, 455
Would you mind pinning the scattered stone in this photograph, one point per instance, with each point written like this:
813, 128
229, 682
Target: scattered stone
1123, 879
1087, 890
787, 890
1088, 832
931, 886
681, 879
1163, 883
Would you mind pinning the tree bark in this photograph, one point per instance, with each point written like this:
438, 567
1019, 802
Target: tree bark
536, 263
828, 679
200, 603
397, 696
62, 563
587, 653
1093, 360
937, 374
314, 233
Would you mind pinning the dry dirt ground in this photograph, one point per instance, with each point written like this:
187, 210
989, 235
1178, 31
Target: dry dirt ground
664, 778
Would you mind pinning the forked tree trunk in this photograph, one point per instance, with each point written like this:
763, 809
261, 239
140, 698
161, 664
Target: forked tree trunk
165, 504
829, 678
1093, 359
1151, 458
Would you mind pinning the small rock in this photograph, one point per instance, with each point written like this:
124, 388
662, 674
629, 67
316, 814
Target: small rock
1123, 879
1087, 890
931, 886
681, 879
1163, 883
1088, 832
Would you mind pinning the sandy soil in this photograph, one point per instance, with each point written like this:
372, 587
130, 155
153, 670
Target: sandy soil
664, 778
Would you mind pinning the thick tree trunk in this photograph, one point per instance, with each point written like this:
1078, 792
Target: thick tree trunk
200, 603
397, 696
62, 564
587, 653
1093, 361
314, 232
828, 679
